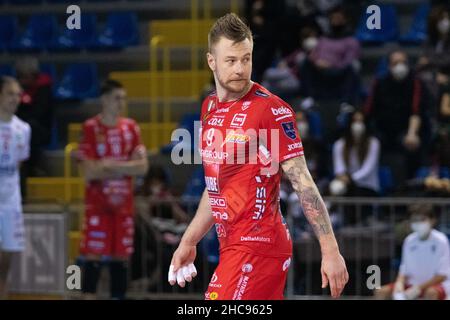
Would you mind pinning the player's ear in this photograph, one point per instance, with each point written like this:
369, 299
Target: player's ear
211, 61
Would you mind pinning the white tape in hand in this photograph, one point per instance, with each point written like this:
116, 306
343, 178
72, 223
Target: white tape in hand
172, 275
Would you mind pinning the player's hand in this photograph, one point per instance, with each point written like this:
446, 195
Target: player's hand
413, 293
182, 267
334, 273
399, 286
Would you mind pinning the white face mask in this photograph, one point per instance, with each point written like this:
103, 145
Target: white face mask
310, 43
303, 128
422, 228
358, 129
400, 71
443, 26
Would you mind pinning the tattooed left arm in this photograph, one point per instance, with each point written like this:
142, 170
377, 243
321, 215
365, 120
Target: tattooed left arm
333, 265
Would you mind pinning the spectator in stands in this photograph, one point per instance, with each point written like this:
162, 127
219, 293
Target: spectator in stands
36, 108
330, 71
434, 64
397, 112
425, 265
283, 79
355, 160
437, 183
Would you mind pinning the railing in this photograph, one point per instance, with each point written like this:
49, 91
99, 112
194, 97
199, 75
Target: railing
369, 232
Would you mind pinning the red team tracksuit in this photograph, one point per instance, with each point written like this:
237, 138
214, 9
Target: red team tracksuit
108, 227
255, 246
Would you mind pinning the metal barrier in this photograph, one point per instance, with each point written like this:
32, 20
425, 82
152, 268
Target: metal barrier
370, 231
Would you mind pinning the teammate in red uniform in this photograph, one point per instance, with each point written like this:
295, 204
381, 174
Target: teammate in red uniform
247, 134
111, 153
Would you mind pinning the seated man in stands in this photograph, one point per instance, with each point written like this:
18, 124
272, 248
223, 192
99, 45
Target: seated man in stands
397, 110
425, 266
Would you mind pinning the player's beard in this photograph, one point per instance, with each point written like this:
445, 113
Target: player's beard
233, 86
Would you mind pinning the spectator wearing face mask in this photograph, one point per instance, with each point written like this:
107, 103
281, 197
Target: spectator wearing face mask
397, 111
283, 79
331, 69
433, 66
355, 160
425, 266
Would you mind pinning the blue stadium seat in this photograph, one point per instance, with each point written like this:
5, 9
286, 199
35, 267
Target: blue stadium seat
8, 30
122, 30
386, 180
79, 81
387, 32
78, 39
50, 69
7, 70
382, 68
418, 31
39, 34
315, 124
424, 172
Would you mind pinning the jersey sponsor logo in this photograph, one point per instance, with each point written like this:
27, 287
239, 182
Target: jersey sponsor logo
281, 111
264, 155
246, 105
256, 239
247, 268
241, 286
261, 94
238, 120
220, 229
94, 221
97, 234
218, 202
214, 295
289, 129
212, 184
223, 110
213, 155
297, 145
218, 122
214, 278
220, 216
237, 138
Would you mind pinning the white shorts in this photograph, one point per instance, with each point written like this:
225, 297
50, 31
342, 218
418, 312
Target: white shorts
12, 230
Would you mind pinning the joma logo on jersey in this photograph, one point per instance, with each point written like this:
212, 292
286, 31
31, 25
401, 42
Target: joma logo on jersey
211, 184
238, 120
217, 202
293, 146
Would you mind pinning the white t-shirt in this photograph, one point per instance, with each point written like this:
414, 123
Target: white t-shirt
364, 174
14, 147
423, 259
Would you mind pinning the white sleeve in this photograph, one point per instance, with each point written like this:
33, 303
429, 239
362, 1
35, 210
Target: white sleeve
24, 153
338, 158
444, 261
370, 162
403, 270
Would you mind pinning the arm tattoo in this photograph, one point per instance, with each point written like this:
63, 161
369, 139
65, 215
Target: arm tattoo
312, 203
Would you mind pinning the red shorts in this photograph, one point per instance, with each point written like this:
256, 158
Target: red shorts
438, 287
245, 276
107, 233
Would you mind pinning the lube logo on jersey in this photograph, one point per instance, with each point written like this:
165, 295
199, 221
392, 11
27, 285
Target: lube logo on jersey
238, 120
218, 202
211, 184
281, 111
218, 122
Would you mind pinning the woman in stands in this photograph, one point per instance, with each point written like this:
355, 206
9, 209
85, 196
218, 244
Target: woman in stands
355, 160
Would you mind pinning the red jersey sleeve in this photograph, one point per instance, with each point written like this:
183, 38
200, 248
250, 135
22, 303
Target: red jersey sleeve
86, 147
283, 139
